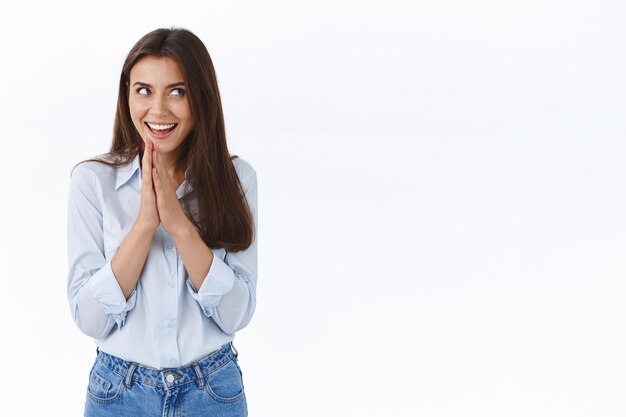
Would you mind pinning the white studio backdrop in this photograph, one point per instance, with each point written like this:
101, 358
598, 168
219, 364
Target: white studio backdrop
442, 192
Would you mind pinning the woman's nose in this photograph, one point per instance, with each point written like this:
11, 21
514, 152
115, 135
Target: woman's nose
159, 106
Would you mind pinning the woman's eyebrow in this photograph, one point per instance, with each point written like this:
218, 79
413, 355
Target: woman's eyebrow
167, 86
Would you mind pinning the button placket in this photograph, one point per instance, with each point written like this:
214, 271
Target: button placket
170, 305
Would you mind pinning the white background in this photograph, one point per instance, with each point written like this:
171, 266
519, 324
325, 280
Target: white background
442, 199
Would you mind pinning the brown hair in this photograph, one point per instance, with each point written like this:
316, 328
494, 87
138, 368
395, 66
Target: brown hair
224, 219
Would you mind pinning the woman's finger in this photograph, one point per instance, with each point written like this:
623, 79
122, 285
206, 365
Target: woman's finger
156, 179
156, 156
149, 150
147, 166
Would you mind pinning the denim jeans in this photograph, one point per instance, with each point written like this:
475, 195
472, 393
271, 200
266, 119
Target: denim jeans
212, 386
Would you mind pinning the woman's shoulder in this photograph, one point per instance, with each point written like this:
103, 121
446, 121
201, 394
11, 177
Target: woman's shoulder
244, 169
96, 165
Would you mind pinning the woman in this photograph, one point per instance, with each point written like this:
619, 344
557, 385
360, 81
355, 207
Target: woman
162, 242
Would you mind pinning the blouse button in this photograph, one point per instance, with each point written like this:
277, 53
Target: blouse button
170, 284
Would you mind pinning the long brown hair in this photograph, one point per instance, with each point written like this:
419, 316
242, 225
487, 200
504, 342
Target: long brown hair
223, 216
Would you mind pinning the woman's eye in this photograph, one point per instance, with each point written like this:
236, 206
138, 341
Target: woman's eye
178, 92
144, 91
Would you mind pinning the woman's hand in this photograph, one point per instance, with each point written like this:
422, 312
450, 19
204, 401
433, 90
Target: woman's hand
173, 218
148, 217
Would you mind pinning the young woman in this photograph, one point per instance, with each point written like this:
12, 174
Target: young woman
162, 242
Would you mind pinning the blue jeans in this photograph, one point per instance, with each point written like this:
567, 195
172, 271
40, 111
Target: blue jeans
212, 386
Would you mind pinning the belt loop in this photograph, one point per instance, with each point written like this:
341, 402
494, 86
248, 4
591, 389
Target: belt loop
234, 350
129, 375
199, 377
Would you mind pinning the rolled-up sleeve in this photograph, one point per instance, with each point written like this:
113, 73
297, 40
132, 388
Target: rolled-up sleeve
97, 302
228, 293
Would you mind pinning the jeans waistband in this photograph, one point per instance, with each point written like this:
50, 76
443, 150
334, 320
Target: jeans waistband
170, 377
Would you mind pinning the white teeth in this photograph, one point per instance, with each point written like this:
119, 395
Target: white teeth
161, 127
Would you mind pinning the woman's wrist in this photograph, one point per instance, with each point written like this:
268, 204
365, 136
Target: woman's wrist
144, 228
183, 230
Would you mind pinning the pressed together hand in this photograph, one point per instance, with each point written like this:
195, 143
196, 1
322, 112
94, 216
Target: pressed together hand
159, 202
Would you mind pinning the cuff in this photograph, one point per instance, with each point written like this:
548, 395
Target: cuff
106, 291
218, 281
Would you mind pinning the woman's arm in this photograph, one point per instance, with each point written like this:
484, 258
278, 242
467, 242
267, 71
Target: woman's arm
101, 291
96, 301
224, 288
131, 255
196, 255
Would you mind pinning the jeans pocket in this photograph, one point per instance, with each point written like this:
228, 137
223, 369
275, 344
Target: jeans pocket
225, 384
104, 384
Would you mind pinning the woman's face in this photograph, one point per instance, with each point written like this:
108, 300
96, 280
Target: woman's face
157, 97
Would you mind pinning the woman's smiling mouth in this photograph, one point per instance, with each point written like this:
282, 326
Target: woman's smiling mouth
161, 130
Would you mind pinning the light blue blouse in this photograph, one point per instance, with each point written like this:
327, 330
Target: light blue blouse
165, 323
